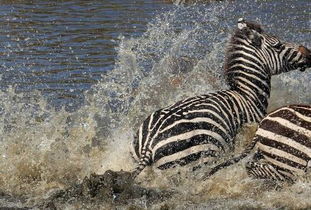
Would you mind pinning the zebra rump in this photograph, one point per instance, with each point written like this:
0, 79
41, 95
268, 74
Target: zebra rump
282, 145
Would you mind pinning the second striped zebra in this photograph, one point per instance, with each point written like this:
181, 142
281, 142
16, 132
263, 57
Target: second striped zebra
202, 128
282, 146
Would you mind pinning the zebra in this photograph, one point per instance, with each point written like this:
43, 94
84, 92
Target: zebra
202, 128
282, 143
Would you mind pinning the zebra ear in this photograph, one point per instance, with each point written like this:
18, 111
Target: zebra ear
251, 31
255, 38
241, 23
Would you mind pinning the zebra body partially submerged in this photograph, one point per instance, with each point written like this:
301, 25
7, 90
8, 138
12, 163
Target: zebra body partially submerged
203, 128
282, 145
194, 129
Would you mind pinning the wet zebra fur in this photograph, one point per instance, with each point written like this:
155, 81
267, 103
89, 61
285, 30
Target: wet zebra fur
282, 145
201, 129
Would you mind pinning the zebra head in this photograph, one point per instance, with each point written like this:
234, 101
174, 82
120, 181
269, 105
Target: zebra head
276, 55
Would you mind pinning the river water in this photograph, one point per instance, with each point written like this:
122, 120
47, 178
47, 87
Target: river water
78, 77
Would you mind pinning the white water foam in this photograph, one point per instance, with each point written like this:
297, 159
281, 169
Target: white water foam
43, 149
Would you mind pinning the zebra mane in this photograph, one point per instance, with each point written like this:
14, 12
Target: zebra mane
239, 33
254, 26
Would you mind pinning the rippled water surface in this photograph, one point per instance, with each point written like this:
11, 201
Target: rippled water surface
63, 47
78, 77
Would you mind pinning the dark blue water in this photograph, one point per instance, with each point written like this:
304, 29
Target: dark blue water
63, 47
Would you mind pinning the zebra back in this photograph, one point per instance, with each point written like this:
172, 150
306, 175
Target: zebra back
283, 144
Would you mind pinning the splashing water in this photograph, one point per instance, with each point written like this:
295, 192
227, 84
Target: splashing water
180, 55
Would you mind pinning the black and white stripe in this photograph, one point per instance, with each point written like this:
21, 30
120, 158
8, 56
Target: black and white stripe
282, 143
203, 128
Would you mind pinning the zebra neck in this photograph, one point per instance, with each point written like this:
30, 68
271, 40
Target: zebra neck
256, 81
253, 87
